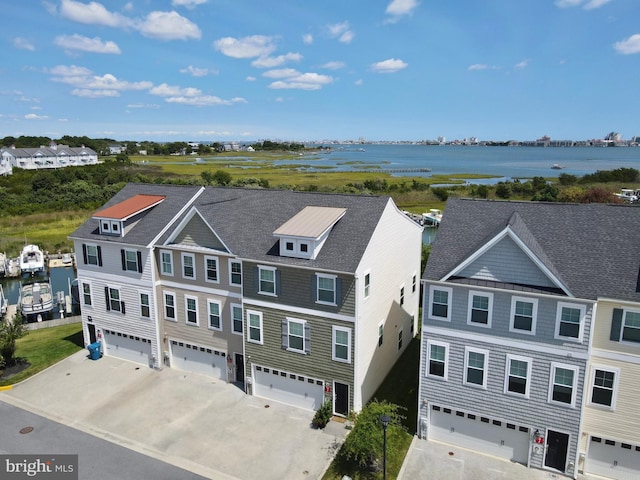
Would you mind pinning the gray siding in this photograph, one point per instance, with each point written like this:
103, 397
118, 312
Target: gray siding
197, 233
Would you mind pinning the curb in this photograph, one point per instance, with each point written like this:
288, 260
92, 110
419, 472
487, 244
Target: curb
6, 387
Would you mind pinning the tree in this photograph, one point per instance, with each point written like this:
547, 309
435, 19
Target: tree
222, 178
10, 331
503, 190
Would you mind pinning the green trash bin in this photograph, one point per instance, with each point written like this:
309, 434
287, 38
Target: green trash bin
94, 350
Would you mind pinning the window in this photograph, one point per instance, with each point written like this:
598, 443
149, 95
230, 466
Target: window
131, 260
569, 321
235, 271
211, 269
304, 247
367, 284
113, 299
215, 321
523, 315
86, 293
295, 335
562, 387
289, 246
440, 308
402, 295
267, 279
438, 359
517, 375
169, 306
254, 326
399, 339
188, 270
414, 283
92, 255
380, 334
604, 386
480, 306
236, 318
145, 310
326, 289
166, 263
191, 310
631, 326
341, 344
475, 367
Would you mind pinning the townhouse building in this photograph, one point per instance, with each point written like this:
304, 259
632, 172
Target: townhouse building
52, 156
300, 297
511, 294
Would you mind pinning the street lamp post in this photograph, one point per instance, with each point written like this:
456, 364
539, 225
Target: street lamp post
384, 419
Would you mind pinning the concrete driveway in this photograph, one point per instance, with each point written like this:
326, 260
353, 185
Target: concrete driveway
194, 422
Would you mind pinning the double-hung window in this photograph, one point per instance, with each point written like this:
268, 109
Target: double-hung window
562, 385
131, 260
254, 326
145, 307
169, 305
414, 283
438, 361
631, 326
518, 375
191, 310
166, 262
236, 318
524, 312
113, 299
215, 317
188, 265
86, 294
326, 289
92, 255
211, 269
480, 307
440, 303
367, 284
267, 280
569, 321
402, 295
341, 344
475, 366
295, 335
235, 272
380, 334
604, 384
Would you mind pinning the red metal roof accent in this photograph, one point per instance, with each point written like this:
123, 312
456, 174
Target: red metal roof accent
130, 206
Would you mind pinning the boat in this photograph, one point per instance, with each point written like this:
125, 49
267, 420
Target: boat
36, 299
31, 259
557, 166
67, 259
3, 265
432, 218
628, 195
3, 303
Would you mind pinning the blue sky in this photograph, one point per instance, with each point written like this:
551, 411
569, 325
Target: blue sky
178, 70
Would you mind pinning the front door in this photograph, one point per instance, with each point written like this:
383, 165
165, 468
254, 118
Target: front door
341, 399
92, 333
239, 367
557, 447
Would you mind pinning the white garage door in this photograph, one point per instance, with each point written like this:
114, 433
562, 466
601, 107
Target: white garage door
193, 358
289, 388
493, 437
128, 347
610, 459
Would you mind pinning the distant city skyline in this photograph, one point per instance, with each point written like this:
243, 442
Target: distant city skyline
180, 70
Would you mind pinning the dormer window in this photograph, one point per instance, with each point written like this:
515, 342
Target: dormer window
304, 247
112, 220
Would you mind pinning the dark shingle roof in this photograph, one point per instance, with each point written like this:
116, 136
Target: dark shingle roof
593, 248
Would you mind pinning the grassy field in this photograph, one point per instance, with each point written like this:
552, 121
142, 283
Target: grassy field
44, 347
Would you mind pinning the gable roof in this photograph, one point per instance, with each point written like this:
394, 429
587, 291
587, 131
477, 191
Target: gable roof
129, 207
592, 248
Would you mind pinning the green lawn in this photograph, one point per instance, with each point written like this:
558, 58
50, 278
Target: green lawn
42, 348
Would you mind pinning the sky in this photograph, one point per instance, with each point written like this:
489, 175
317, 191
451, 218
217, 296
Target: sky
301, 70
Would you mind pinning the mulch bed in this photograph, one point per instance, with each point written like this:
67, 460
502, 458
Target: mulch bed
17, 367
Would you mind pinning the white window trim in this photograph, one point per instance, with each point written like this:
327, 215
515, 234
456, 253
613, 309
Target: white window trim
507, 373
259, 315
485, 368
97, 256
624, 317
193, 264
211, 301
164, 306
534, 315
148, 294
614, 395
233, 330
576, 372
446, 360
91, 299
583, 313
275, 283
170, 253
120, 300
335, 289
366, 289
206, 269
231, 262
335, 329
432, 289
186, 310
478, 293
304, 342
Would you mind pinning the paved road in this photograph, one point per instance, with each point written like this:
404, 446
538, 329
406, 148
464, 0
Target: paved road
98, 459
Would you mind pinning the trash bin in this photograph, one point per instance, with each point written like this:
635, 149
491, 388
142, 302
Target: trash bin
94, 350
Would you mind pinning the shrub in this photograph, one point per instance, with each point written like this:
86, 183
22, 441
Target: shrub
322, 416
441, 193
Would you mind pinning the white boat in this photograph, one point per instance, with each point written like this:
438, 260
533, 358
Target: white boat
628, 195
3, 265
557, 166
31, 259
432, 218
36, 299
3, 303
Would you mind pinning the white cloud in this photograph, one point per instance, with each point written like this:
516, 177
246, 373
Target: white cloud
23, 44
305, 81
401, 7
92, 86
482, 66
522, 64
358, 82
205, 100
567, 3
333, 65
70, 71
85, 44
92, 13
251, 79
92, 93
187, 3
33, 116
198, 72
629, 46
270, 62
169, 26
152, 106
247, 47
281, 73
165, 90
341, 31
307, 39
589, 5
390, 65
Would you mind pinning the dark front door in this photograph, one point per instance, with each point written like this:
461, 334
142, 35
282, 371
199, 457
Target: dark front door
239, 367
341, 399
557, 446
92, 333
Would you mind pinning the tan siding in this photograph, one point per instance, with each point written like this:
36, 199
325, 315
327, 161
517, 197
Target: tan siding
197, 233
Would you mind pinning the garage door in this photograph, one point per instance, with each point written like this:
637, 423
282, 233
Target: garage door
289, 388
483, 434
610, 459
194, 358
128, 347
